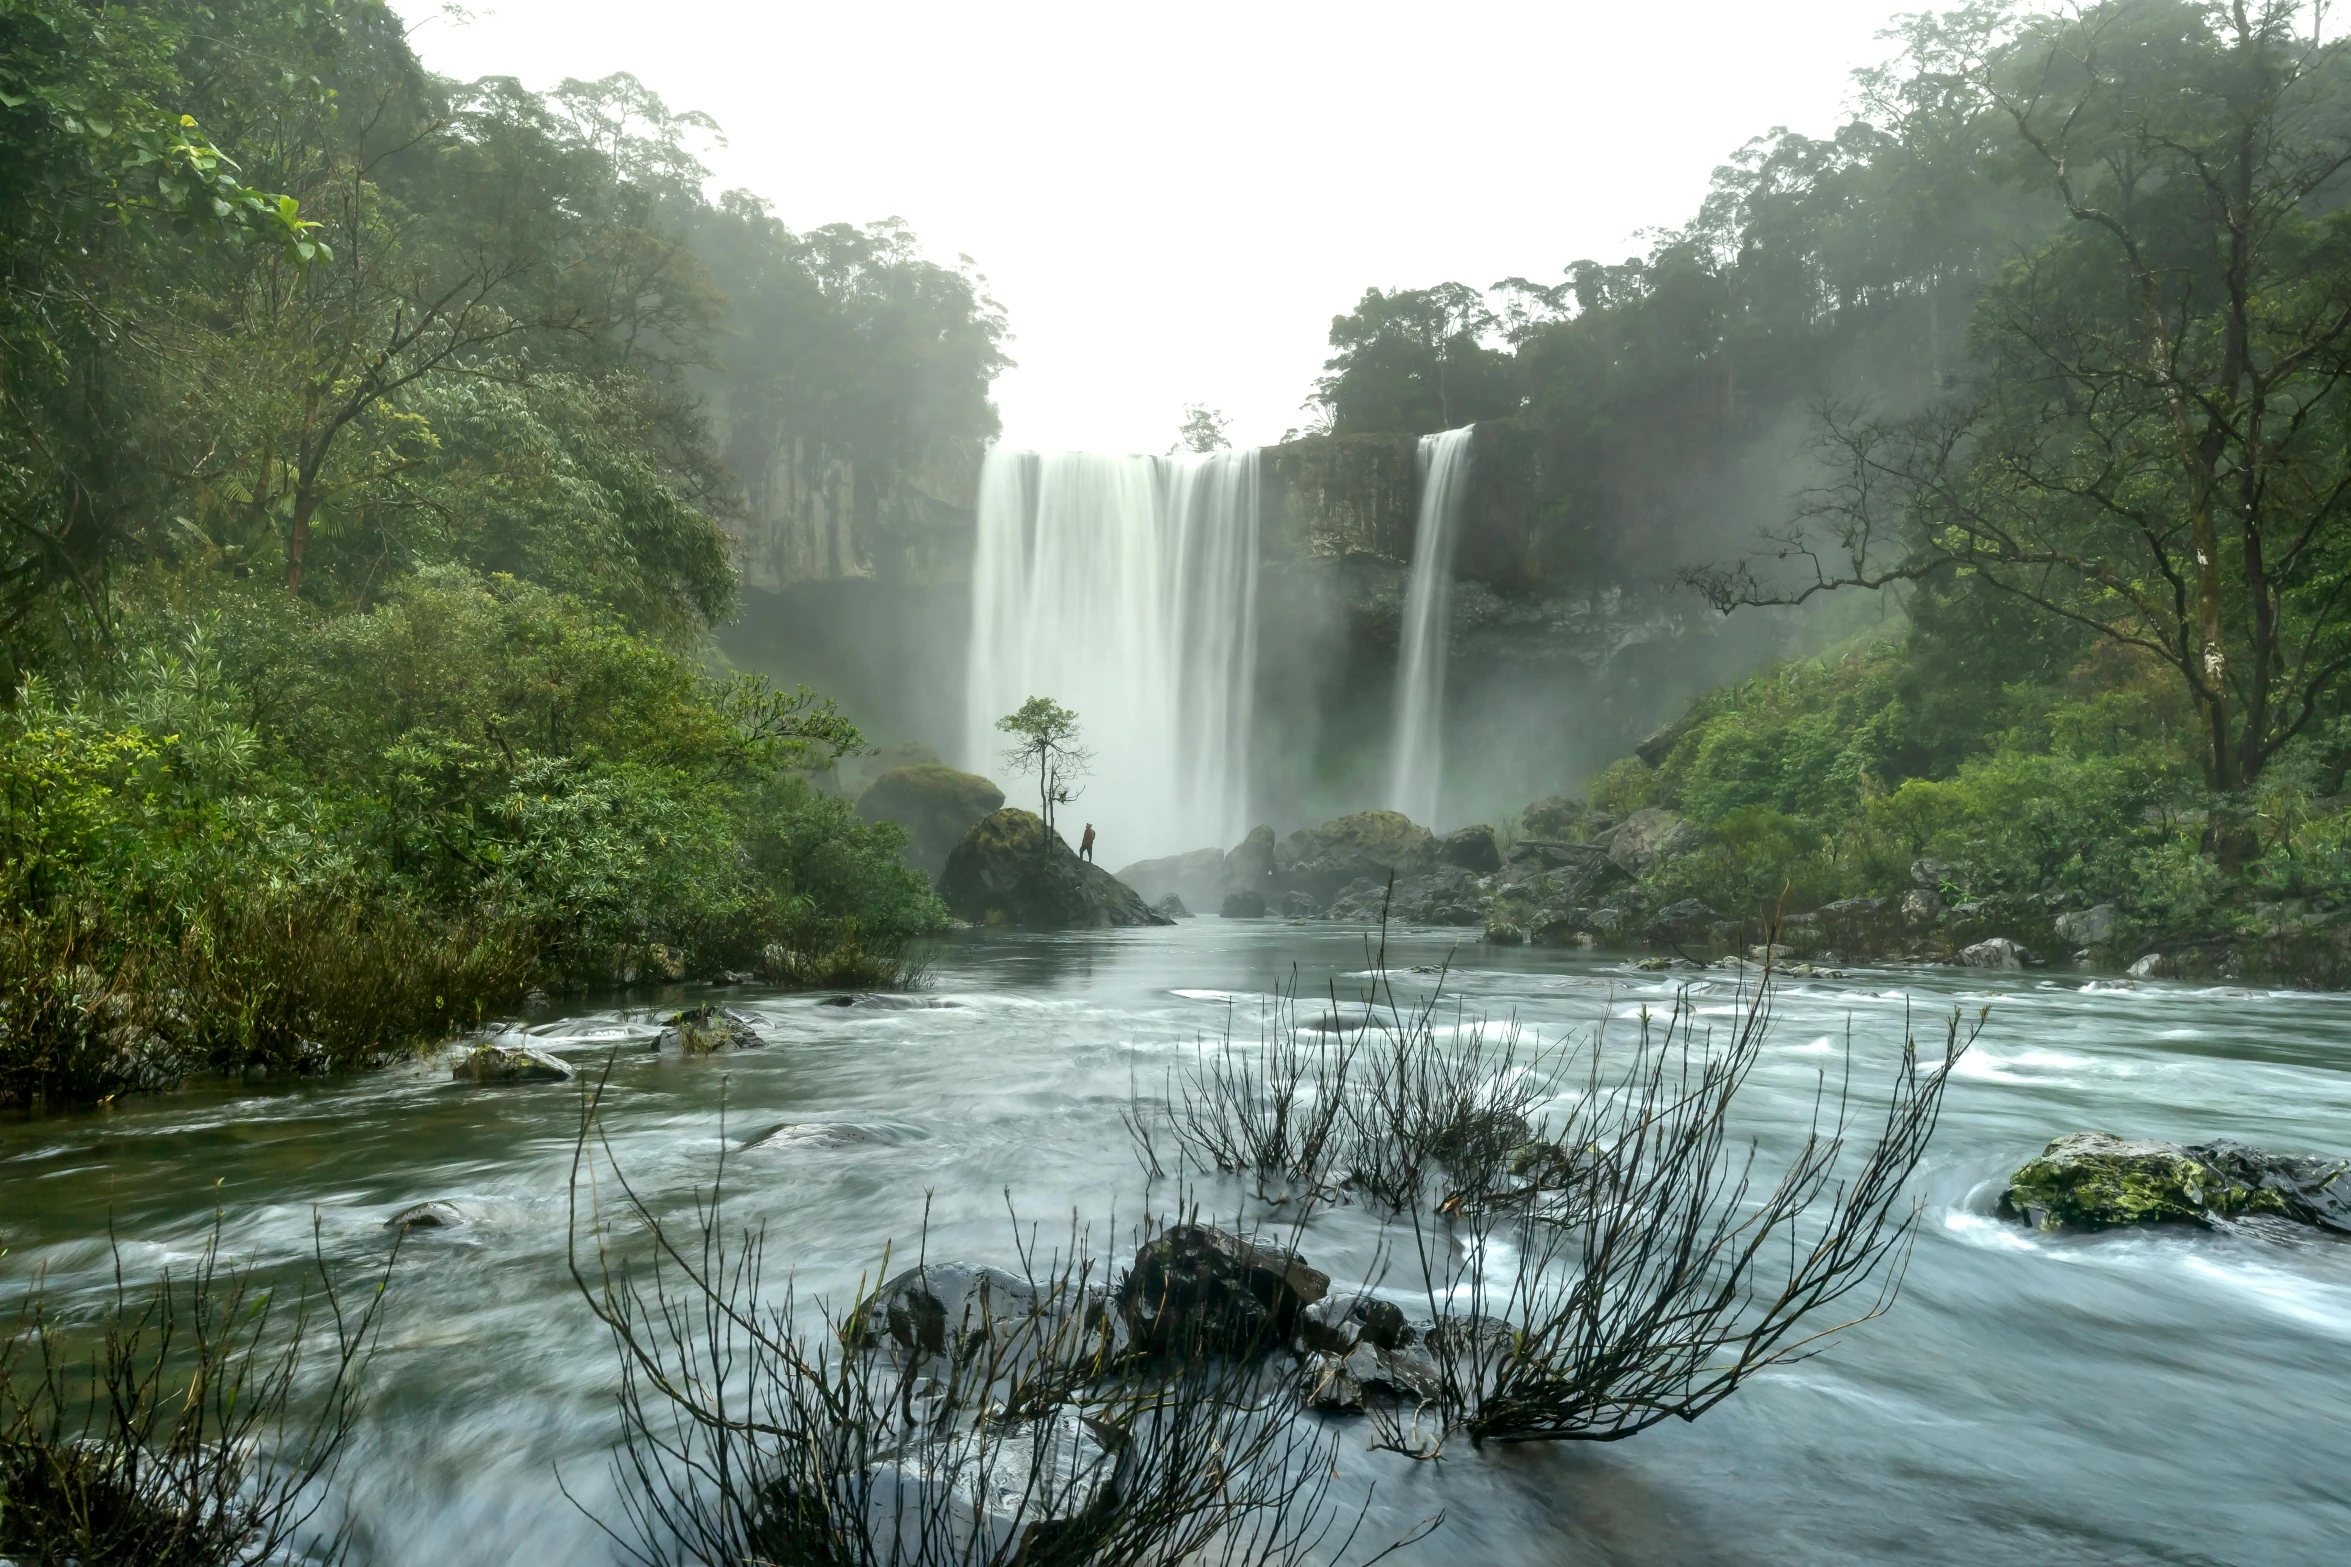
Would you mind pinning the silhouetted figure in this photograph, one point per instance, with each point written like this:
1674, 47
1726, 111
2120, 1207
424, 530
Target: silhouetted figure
1086, 844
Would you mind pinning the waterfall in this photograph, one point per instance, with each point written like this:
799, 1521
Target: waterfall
1124, 588
1416, 765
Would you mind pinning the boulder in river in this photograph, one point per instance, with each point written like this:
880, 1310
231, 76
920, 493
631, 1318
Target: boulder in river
703, 1031
2096, 1181
1009, 870
1242, 904
1323, 860
498, 1064
1173, 907
1997, 952
1194, 1287
425, 1216
1472, 848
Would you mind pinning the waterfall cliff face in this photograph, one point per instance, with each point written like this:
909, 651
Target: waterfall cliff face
1417, 760
1124, 588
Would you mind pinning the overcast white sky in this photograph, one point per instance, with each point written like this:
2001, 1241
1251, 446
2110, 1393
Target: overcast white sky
1171, 201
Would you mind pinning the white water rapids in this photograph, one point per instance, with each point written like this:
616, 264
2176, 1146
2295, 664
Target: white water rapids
1416, 768
1125, 588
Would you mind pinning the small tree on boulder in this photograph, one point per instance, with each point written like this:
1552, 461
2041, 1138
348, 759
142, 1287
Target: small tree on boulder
1046, 743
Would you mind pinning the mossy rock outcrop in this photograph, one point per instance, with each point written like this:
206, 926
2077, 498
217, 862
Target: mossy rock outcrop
2095, 1181
934, 803
1324, 861
1009, 870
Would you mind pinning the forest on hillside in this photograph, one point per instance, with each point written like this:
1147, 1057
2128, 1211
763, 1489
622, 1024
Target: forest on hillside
2055, 332
368, 442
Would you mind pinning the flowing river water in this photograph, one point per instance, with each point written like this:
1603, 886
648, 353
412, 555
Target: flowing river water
2129, 1397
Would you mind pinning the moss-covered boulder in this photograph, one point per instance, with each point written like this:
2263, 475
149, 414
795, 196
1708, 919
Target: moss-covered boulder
1009, 870
935, 804
2096, 1181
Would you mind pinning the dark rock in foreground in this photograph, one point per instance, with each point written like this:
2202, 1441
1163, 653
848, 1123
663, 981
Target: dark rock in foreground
1196, 1288
1009, 870
426, 1216
1472, 848
500, 1064
2094, 1181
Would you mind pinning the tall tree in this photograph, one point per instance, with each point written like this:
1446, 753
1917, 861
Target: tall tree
2155, 446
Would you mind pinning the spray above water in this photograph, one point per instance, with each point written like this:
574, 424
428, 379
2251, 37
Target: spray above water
1416, 767
1125, 588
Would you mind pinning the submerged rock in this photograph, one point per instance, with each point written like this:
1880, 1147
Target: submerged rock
1195, 1288
426, 1216
1016, 1491
1009, 870
935, 804
498, 1064
702, 1031
2096, 1181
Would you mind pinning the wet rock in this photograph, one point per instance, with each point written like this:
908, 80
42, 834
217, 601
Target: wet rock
1023, 1491
1339, 1383
2306, 1190
1299, 905
1998, 952
1009, 870
1346, 1020
1928, 874
1472, 848
426, 1216
2095, 1181
936, 805
1337, 1323
941, 1305
1242, 905
1194, 1287
1648, 837
1505, 933
1173, 907
499, 1064
2153, 966
708, 1030
1374, 844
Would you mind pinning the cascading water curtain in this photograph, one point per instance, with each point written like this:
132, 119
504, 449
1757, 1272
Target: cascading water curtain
1416, 766
1125, 588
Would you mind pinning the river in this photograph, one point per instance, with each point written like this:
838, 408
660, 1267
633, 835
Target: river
2166, 1397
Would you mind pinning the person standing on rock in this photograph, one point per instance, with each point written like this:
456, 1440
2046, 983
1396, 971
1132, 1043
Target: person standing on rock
1086, 844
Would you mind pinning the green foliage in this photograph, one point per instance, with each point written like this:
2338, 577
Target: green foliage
1045, 742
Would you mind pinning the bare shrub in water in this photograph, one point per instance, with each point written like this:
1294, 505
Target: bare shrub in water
1277, 1113
1022, 1429
181, 1429
1659, 1272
